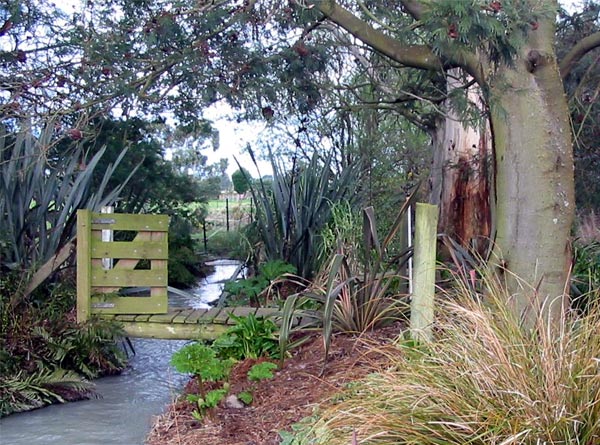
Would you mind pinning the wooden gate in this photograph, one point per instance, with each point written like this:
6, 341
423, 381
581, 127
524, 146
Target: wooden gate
105, 269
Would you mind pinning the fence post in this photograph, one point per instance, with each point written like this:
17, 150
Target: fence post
421, 306
227, 212
107, 236
204, 236
84, 264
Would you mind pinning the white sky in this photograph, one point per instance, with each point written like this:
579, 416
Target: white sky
233, 138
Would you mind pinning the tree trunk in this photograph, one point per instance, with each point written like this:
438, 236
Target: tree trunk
534, 178
460, 177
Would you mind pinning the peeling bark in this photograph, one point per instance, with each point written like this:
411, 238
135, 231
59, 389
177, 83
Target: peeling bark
460, 179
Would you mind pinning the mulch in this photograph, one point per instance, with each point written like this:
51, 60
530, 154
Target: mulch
278, 403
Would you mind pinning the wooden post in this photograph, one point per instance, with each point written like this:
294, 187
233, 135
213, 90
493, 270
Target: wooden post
421, 307
107, 236
204, 236
84, 264
227, 212
404, 241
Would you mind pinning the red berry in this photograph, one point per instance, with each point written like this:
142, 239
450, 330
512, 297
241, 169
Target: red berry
267, 113
496, 6
21, 56
301, 49
534, 25
452, 31
75, 134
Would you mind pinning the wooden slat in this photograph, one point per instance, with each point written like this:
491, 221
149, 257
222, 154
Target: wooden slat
128, 278
183, 323
210, 315
129, 263
181, 331
159, 266
266, 312
121, 221
183, 315
223, 315
84, 267
196, 315
125, 317
164, 318
146, 250
114, 304
244, 311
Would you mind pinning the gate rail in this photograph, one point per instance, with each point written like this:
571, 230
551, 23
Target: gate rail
99, 282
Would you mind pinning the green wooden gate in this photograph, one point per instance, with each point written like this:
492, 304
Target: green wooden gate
106, 268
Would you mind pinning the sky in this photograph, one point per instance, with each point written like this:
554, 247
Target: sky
233, 139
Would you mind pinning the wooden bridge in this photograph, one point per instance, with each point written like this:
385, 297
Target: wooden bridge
105, 268
205, 324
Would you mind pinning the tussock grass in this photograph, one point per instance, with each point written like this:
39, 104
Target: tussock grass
483, 380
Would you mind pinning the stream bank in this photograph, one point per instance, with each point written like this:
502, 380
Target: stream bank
127, 403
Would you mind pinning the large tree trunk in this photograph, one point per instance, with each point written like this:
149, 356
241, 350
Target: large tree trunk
460, 177
534, 177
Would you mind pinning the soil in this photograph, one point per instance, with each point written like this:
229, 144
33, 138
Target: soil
278, 403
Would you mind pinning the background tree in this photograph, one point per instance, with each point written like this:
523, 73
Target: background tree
157, 185
241, 180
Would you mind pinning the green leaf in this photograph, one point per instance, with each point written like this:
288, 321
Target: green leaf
262, 371
246, 397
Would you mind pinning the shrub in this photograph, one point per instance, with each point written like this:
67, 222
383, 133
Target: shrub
232, 244
44, 355
484, 379
250, 337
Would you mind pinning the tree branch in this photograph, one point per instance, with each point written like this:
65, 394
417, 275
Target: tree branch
577, 52
417, 56
413, 7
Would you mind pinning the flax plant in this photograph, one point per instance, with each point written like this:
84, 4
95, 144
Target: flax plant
359, 288
39, 195
293, 210
483, 379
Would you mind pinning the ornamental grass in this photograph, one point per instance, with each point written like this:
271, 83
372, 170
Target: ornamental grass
484, 379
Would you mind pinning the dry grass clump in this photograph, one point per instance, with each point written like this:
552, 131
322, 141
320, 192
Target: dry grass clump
483, 380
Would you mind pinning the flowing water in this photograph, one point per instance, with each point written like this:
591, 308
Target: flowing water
122, 415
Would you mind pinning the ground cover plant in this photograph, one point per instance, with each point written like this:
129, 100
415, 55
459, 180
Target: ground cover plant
484, 379
248, 290
278, 402
210, 364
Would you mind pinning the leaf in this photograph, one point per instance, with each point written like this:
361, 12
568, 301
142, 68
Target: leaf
262, 371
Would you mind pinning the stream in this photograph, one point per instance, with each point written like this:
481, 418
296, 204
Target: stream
128, 402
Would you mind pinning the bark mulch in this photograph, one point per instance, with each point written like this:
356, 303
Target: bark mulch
279, 402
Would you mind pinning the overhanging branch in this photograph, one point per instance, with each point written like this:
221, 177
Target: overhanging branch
416, 56
577, 52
